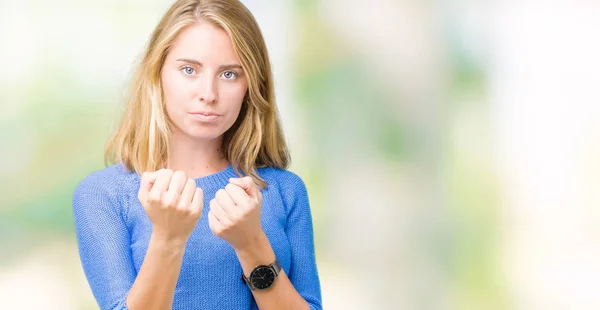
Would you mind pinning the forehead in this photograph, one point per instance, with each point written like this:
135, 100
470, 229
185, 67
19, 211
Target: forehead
204, 42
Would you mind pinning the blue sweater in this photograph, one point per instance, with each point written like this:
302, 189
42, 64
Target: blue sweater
113, 232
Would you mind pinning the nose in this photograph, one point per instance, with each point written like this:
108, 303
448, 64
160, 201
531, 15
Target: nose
208, 90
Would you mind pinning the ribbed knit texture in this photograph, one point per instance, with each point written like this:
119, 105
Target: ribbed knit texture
113, 232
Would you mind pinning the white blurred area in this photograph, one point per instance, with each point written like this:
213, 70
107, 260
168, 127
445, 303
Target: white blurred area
542, 62
546, 114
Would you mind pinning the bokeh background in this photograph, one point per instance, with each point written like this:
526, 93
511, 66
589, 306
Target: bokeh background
450, 148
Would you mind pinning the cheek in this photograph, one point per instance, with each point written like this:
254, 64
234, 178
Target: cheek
233, 98
173, 90
234, 94
167, 86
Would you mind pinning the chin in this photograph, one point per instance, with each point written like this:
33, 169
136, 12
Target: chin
204, 132
205, 135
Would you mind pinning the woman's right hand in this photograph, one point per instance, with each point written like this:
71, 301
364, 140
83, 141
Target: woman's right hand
173, 203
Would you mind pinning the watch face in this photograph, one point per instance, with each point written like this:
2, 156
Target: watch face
262, 277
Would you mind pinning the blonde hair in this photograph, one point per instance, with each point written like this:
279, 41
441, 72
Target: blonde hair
141, 142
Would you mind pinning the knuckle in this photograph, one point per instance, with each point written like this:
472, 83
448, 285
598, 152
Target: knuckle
243, 206
167, 200
183, 211
181, 206
154, 197
143, 200
233, 218
186, 206
194, 212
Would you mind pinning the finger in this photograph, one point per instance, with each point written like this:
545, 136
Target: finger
213, 223
146, 183
189, 190
218, 212
238, 195
198, 200
147, 180
178, 181
225, 202
247, 183
161, 184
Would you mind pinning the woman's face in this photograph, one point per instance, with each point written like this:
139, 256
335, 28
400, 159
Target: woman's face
203, 82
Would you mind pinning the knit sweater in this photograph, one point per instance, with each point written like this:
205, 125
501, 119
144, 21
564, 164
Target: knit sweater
113, 232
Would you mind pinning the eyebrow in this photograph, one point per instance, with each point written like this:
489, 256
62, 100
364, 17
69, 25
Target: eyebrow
221, 67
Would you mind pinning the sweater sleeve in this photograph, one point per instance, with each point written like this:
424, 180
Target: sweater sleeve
103, 241
299, 229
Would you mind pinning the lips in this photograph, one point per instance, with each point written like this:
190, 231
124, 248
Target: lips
205, 116
205, 113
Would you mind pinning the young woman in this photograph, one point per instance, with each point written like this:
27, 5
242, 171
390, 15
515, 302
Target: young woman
198, 211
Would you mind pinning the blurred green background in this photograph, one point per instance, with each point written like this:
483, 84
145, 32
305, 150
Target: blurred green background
450, 148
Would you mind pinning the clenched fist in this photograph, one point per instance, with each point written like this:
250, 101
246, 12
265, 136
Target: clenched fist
235, 212
173, 203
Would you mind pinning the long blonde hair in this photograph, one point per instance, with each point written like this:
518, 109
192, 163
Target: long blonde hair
141, 142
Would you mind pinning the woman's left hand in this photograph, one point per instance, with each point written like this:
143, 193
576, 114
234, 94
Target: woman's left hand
235, 213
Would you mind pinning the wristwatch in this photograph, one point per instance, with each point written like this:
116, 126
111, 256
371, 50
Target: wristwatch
262, 276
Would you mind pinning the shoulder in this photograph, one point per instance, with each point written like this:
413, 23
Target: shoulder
283, 178
290, 185
108, 182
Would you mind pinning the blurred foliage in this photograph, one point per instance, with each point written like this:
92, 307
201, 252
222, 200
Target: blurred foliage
59, 133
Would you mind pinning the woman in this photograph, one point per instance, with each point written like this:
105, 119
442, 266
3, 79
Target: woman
179, 221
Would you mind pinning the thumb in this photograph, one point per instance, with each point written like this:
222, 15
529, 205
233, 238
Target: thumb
246, 183
146, 183
148, 179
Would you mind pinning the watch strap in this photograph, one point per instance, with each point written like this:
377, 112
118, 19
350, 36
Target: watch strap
276, 267
247, 281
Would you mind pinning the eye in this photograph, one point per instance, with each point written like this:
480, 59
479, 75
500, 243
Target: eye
229, 75
188, 70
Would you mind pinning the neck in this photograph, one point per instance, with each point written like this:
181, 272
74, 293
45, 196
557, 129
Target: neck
197, 158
